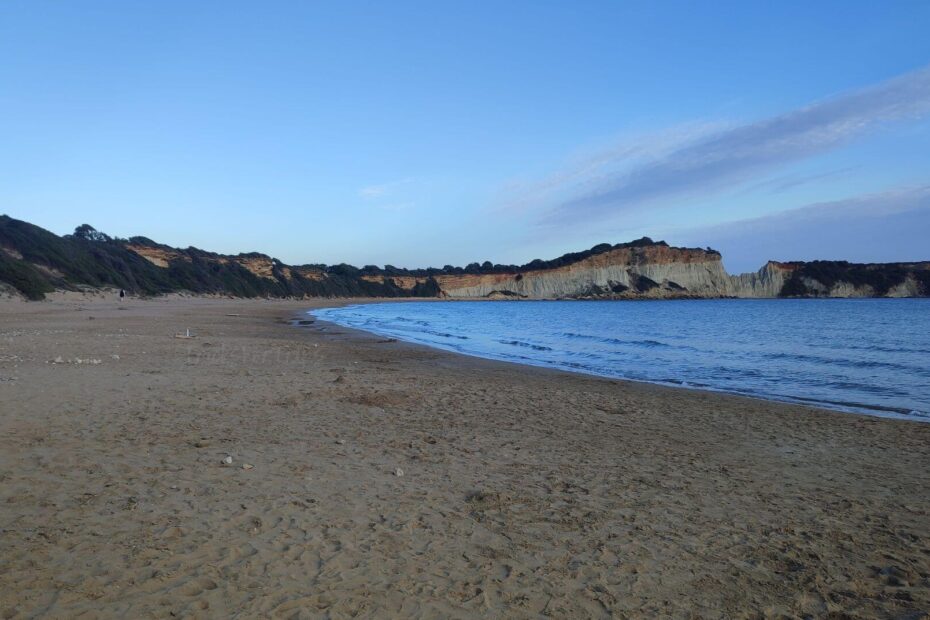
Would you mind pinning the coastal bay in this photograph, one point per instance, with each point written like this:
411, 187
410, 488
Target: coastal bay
275, 469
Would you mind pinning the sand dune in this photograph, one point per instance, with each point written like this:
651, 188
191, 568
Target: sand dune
525, 493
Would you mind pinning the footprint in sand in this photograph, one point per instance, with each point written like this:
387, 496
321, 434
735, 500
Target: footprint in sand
198, 586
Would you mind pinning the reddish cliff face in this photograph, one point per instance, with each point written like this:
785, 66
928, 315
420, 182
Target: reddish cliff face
158, 256
495, 281
653, 254
263, 267
259, 265
640, 270
407, 282
654, 271
785, 267
35, 261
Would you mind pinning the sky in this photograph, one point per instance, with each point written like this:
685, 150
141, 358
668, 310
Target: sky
431, 133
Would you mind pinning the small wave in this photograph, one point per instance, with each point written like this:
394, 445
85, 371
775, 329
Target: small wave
402, 319
443, 334
848, 386
642, 343
845, 363
419, 330
872, 348
852, 367
576, 365
856, 405
519, 343
583, 336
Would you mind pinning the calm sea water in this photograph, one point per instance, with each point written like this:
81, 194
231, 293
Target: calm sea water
863, 355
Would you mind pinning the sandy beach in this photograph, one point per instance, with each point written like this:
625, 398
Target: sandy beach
372, 478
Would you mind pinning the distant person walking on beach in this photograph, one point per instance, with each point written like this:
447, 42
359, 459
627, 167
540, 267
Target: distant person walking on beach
122, 294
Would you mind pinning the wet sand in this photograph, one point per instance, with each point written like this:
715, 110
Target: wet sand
525, 492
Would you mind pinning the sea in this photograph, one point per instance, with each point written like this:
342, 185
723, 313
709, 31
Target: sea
868, 356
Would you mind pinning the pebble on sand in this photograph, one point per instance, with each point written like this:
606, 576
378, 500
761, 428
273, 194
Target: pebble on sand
398, 472
228, 460
247, 466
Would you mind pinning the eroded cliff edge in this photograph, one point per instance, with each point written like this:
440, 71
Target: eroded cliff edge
34, 261
657, 271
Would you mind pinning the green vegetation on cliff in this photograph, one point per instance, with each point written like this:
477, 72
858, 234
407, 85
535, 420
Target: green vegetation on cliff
817, 277
34, 261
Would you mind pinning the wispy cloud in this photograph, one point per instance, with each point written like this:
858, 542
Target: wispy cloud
592, 169
878, 204
882, 226
700, 162
784, 183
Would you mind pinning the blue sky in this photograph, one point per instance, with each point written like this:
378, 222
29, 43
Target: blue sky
430, 133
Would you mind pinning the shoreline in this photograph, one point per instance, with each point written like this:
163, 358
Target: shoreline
878, 411
63, 295
526, 492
